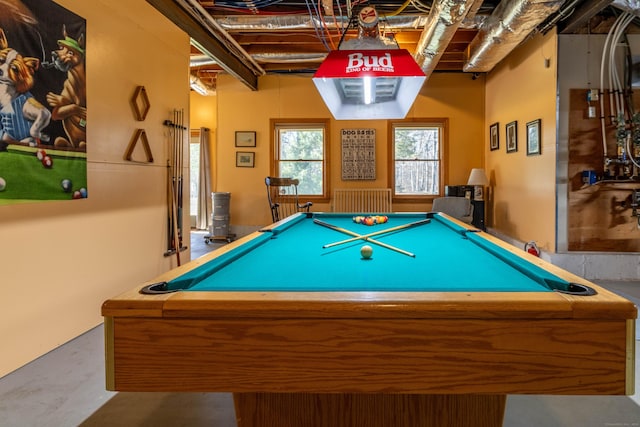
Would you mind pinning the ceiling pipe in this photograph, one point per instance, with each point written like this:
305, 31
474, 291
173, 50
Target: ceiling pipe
509, 24
201, 60
305, 22
630, 6
444, 19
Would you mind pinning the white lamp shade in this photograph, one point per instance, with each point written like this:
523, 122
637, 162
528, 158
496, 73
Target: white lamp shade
478, 177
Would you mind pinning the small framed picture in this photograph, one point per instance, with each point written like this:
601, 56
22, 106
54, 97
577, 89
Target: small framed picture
245, 138
494, 136
245, 159
533, 138
512, 137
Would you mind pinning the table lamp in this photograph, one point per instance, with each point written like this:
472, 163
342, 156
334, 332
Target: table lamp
478, 178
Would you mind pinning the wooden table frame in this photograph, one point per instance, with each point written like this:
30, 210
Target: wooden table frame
327, 356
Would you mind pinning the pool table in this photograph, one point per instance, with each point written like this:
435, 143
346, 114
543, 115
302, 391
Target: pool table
434, 329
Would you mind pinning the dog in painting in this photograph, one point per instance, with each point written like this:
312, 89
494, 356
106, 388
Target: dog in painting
22, 117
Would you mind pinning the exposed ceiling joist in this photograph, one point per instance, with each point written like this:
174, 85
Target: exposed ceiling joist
205, 41
580, 17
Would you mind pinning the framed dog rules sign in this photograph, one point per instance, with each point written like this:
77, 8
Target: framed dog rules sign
43, 102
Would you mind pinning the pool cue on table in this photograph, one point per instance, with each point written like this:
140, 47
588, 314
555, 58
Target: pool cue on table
376, 233
375, 242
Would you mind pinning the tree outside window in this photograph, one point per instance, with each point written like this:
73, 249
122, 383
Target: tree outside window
300, 152
417, 151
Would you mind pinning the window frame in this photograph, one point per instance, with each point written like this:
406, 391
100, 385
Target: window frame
275, 160
443, 124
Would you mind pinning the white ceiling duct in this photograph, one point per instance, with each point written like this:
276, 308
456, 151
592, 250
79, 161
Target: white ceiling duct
444, 19
631, 6
509, 24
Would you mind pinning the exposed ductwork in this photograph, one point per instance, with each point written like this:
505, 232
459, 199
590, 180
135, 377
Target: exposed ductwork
445, 18
302, 22
630, 6
444, 28
509, 24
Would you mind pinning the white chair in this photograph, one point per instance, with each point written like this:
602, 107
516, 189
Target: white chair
457, 207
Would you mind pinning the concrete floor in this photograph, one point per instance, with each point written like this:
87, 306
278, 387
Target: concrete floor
66, 388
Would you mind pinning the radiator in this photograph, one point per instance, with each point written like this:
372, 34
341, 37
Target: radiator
374, 200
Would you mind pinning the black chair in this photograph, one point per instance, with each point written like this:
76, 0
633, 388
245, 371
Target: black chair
283, 197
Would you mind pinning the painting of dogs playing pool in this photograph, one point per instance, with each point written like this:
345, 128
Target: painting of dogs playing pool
43, 102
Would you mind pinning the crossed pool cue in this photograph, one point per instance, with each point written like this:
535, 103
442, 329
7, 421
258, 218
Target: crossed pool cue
367, 237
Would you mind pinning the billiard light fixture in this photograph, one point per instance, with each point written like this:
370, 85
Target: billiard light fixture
369, 78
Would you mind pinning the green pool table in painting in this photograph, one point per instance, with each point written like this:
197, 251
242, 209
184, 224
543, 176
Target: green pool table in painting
434, 329
26, 178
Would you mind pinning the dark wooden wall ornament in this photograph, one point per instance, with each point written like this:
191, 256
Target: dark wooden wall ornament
138, 135
140, 103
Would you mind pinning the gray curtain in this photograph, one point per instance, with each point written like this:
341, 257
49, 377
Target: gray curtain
203, 216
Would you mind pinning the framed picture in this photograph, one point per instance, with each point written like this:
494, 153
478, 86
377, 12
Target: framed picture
512, 137
245, 159
494, 136
533, 138
245, 138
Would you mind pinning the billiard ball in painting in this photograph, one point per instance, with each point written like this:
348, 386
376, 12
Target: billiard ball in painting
47, 161
66, 185
40, 154
3, 184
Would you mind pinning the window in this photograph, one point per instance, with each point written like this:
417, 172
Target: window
300, 150
417, 150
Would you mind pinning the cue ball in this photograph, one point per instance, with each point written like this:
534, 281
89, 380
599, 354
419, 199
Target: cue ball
3, 184
366, 251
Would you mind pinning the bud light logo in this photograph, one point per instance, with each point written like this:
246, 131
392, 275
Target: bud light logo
359, 62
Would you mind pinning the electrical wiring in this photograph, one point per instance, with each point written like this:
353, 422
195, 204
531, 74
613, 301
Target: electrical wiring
335, 21
324, 25
318, 31
251, 5
400, 9
421, 7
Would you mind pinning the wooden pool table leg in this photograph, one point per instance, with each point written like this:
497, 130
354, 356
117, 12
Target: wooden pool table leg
367, 410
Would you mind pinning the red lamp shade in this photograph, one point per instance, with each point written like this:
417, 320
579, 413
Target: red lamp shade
369, 84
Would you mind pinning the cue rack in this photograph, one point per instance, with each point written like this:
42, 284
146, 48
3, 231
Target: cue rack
175, 184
